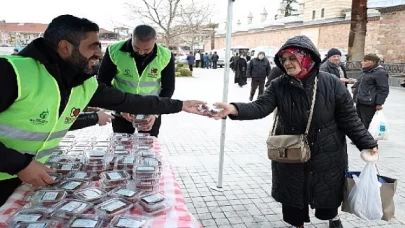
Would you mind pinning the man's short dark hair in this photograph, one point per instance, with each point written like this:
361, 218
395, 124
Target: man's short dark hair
144, 33
69, 28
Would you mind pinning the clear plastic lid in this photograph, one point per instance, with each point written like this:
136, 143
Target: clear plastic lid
86, 221
149, 153
141, 172
96, 154
103, 144
28, 215
80, 175
112, 207
66, 168
84, 144
71, 207
109, 187
140, 147
141, 134
120, 147
40, 224
73, 185
76, 153
57, 152
125, 162
120, 135
130, 221
66, 144
90, 194
81, 148
155, 203
47, 197
121, 152
147, 185
129, 193
146, 140
65, 159
114, 177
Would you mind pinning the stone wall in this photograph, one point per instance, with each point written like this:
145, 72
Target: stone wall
391, 34
324, 36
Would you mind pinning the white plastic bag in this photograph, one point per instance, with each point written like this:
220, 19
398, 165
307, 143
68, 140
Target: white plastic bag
378, 127
364, 198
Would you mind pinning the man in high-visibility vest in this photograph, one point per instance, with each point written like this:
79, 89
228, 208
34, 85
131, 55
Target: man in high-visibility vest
139, 66
43, 90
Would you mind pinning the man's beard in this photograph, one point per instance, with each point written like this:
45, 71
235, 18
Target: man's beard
81, 63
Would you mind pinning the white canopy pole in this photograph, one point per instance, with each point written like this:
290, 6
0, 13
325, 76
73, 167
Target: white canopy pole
225, 92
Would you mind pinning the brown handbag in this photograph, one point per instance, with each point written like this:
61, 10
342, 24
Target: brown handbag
291, 148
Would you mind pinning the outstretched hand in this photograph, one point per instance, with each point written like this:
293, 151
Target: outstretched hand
192, 106
227, 109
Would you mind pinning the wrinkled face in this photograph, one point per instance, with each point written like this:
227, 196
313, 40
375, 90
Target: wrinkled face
335, 59
261, 56
143, 47
367, 63
291, 64
85, 57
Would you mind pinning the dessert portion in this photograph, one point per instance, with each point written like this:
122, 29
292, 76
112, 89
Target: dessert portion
90, 194
27, 215
154, 203
113, 207
129, 221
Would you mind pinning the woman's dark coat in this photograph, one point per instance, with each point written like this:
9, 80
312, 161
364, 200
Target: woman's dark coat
320, 181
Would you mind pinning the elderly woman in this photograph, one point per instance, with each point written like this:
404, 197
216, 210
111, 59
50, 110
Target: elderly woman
318, 182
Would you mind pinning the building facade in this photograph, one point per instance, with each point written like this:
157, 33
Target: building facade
327, 24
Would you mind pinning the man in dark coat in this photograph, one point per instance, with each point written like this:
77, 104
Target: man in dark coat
258, 69
274, 73
319, 182
371, 90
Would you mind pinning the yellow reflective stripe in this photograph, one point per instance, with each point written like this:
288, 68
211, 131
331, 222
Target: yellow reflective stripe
19, 134
137, 84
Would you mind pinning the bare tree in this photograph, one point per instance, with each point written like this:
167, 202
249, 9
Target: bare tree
358, 30
193, 18
160, 12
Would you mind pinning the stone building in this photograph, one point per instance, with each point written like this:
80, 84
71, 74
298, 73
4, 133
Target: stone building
327, 23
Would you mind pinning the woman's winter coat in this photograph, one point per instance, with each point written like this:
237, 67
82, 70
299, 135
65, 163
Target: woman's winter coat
320, 181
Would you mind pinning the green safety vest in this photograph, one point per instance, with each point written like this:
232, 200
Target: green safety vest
127, 78
32, 124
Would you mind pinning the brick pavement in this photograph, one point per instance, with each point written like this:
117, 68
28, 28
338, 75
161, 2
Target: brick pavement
193, 145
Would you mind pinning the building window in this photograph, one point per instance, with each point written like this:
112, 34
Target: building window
322, 13
313, 14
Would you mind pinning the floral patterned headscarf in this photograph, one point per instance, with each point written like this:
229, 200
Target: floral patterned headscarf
303, 58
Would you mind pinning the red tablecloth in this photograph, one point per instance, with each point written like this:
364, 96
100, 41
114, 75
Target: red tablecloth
177, 216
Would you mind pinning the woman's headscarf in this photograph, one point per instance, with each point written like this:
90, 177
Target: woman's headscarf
303, 58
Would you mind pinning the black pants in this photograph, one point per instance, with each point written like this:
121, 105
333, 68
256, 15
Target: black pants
257, 82
121, 125
7, 188
298, 216
366, 113
197, 63
190, 66
214, 64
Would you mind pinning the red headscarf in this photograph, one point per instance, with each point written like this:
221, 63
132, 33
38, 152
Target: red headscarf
304, 59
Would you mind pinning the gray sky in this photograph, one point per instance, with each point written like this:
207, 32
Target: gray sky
108, 13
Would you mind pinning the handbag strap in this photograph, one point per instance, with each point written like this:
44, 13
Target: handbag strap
311, 113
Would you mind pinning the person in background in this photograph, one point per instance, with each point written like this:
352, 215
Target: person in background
15, 51
197, 59
371, 89
139, 66
248, 58
215, 58
210, 60
334, 66
190, 60
319, 183
43, 90
258, 69
240, 71
202, 59
274, 73
205, 60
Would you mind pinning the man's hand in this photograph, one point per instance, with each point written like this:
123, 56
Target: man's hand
192, 106
104, 118
378, 107
227, 109
36, 174
148, 126
128, 116
373, 151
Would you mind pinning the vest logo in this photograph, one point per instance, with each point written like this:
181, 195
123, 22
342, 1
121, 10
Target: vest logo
153, 73
42, 119
127, 73
74, 113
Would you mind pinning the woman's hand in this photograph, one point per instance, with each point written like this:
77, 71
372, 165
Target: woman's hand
227, 109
